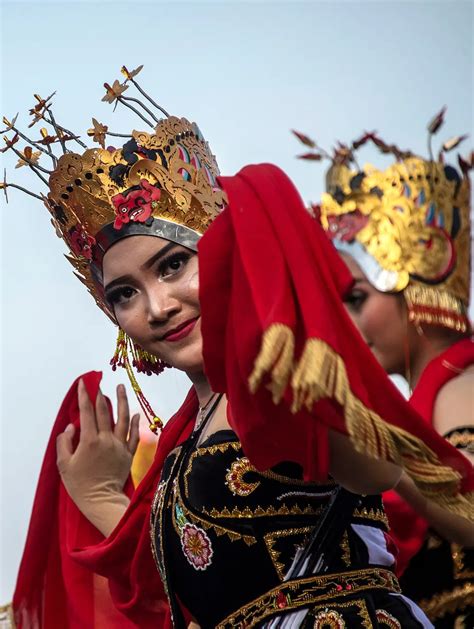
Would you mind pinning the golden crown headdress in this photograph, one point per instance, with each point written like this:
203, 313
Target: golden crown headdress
408, 227
159, 183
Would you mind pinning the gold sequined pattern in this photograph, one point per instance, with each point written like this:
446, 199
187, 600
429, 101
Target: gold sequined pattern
329, 619
377, 515
212, 450
346, 550
301, 593
455, 600
358, 604
207, 524
234, 479
260, 512
387, 620
270, 540
156, 520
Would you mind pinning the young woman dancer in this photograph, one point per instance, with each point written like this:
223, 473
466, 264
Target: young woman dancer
263, 503
404, 234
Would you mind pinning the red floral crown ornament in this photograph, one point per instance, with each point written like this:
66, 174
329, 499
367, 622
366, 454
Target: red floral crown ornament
160, 183
408, 227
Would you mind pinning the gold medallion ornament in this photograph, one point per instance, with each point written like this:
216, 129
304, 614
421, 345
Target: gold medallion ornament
387, 620
234, 479
408, 227
329, 619
160, 182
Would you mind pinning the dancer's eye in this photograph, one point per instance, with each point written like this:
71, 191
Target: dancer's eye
355, 299
120, 295
173, 264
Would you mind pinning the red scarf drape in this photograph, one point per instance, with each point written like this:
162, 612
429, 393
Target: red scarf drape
266, 271
273, 318
58, 584
407, 528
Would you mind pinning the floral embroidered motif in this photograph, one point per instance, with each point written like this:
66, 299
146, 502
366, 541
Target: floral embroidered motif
137, 205
387, 620
329, 619
196, 546
195, 542
234, 479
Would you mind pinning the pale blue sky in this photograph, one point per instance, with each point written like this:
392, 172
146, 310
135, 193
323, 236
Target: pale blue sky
247, 72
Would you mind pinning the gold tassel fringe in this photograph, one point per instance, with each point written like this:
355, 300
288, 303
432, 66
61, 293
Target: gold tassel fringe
275, 358
321, 373
427, 304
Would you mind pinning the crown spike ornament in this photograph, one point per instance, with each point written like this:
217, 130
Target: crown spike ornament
162, 182
408, 227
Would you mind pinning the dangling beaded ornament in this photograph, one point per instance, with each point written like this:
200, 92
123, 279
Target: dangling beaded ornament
143, 363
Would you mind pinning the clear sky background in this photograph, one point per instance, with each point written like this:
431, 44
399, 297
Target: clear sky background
247, 72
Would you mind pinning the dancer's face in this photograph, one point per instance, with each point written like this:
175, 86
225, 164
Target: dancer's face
152, 286
381, 319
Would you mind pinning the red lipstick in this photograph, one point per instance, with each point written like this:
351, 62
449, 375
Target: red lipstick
180, 332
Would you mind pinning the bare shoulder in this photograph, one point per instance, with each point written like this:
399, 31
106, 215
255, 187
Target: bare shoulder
454, 405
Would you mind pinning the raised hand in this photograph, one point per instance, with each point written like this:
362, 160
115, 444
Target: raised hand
94, 473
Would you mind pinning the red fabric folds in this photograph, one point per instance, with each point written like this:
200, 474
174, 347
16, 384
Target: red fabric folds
52, 590
263, 261
407, 528
61, 580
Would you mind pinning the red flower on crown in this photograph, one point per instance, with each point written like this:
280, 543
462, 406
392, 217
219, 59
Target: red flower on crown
81, 242
346, 226
137, 205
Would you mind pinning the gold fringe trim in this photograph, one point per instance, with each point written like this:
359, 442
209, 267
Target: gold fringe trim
450, 602
427, 304
321, 373
275, 357
315, 374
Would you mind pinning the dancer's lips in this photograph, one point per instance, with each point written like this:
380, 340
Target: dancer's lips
181, 331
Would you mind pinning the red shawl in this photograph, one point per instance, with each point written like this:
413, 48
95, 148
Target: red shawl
407, 528
59, 586
278, 341
266, 271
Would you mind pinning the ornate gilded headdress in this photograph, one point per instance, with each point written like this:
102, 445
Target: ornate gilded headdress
408, 227
160, 183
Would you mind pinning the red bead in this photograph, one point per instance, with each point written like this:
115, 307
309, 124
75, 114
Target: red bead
348, 587
281, 600
338, 588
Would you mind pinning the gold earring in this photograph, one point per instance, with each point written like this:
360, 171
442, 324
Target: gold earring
144, 363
